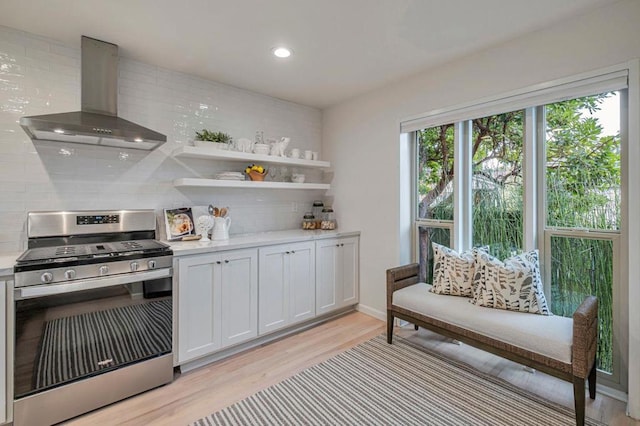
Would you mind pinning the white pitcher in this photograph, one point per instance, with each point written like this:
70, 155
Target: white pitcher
221, 227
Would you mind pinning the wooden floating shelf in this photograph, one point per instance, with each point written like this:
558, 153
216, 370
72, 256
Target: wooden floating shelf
218, 183
219, 154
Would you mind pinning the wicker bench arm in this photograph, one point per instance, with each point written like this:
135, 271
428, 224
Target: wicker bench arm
401, 277
585, 337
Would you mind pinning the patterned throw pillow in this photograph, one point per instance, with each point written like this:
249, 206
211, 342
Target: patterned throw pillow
452, 271
514, 284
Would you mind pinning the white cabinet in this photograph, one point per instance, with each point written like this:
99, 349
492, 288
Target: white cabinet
337, 269
217, 301
229, 297
286, 285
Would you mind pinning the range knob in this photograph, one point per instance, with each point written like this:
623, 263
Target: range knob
47, 277
134, 266
151, 264
104, 270
70, 274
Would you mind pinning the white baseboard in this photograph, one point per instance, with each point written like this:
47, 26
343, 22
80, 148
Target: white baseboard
372, 312
611, 392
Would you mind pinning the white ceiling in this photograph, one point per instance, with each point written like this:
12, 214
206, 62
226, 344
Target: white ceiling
342, 48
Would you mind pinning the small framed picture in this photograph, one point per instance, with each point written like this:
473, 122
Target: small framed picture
178, 223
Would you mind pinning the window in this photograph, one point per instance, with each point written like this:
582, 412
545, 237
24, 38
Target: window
434, 193
580, 267
583, 176
426, 236
547, 175
583, 162
497, 144
435, 173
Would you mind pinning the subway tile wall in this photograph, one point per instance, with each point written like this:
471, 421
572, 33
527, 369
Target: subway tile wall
41, 76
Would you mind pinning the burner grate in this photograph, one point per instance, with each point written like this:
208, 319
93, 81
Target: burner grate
132, 245
91, 251
66, 251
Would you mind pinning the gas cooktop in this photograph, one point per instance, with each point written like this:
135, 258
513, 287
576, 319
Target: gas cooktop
91, 251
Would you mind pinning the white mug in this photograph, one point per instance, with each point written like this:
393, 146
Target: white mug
308, 155
314, 155
295, 153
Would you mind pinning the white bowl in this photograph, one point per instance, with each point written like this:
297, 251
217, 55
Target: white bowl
297, 178
261, 148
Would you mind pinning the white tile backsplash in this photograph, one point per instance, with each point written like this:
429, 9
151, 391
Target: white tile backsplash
42, 76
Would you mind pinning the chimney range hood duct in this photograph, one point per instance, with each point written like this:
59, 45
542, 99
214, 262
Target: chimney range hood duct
97, 123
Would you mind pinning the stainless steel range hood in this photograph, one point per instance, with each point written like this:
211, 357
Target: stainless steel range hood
98, 122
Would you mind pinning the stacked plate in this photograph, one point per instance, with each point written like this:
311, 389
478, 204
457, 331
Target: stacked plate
230, 176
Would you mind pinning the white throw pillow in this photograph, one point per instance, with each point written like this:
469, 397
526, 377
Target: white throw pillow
453, 271
514, 284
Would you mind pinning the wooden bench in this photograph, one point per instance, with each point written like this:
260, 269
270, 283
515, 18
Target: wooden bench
564, 348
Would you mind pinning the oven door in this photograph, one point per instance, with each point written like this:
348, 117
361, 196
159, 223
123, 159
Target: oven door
67, 332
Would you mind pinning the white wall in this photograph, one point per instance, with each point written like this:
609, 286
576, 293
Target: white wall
40, 76
361, 136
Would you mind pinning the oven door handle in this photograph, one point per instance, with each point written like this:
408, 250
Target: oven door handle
90, 284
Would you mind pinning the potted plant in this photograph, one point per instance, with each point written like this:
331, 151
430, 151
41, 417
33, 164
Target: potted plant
206, 138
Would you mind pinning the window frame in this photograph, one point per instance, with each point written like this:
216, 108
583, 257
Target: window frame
536, 233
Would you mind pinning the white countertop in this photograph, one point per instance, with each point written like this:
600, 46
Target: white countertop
183, 248
6, 263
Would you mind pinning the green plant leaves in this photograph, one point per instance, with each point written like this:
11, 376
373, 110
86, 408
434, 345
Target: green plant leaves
208, 136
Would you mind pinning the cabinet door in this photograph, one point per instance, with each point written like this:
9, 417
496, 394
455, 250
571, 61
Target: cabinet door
337, 274
273, 291
199, 303
302, 289
348, 273
326, 276
239, 283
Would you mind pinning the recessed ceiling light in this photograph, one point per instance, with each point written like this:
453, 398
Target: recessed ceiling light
58, 131
281, 52
138, 140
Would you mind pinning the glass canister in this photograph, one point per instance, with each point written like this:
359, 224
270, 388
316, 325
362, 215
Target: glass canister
328, 219
317, 212
308, 221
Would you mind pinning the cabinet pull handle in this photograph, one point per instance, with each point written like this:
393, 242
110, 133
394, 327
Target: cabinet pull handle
286, 252
341, 245
293, 251
337, 245
226, 261
218, 262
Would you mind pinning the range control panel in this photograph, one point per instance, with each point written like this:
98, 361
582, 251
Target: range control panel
97, 220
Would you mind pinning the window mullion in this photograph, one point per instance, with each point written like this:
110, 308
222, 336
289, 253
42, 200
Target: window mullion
530, 184
462, 228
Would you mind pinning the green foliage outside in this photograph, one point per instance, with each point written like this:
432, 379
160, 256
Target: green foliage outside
582, 191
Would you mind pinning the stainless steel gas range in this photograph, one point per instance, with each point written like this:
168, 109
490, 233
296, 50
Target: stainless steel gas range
92, 313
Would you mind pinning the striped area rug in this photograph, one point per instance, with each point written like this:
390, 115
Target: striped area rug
400, 384
79, 345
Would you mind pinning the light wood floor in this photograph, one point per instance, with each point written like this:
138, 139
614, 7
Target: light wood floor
203, 391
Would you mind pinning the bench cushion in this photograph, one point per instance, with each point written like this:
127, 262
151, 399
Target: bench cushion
550, 336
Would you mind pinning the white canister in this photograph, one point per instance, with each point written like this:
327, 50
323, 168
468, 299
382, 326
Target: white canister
308, 155
295, 153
